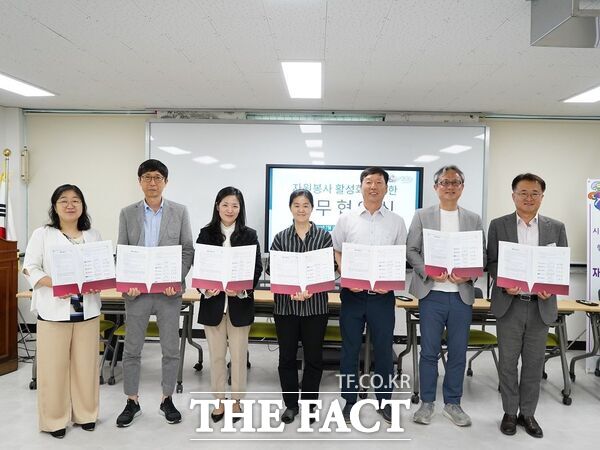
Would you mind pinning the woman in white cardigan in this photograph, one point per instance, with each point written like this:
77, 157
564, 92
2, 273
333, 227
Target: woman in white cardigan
68, 326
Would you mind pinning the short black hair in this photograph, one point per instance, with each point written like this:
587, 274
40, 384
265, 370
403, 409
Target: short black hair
83, 223
445, 169
302, 193
528, 177
153, 165
373, 171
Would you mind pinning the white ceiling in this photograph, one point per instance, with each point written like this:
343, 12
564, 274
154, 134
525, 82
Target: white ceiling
391, 55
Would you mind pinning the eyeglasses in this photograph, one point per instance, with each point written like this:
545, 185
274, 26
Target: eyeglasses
453, 183
524, 195
65, 203
156, 179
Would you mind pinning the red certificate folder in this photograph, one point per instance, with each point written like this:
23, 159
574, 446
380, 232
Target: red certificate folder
155, 288
558, 289
352, 283
312, 288
218, 285
463, 272
66, 289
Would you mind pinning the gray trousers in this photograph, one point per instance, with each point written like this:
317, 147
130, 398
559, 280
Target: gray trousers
138, 312
521, 333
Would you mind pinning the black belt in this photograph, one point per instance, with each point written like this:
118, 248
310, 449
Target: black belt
528, 297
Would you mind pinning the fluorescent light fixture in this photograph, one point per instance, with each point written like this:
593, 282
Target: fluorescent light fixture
310, 128
175, 150
18, 87
427, 158
318, 162
227, 166
303, 79
315, 154
591, 96
480, 136
206, 159
454, 149
314, 143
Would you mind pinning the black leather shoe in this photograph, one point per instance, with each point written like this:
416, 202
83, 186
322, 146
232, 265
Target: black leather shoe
386, 413
312, 410
531, 426
59, 434
90, 426
289, 414
217, 417
237, 419
509, 424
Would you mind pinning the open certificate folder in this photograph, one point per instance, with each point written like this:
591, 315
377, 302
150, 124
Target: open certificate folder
293, 272
149, 269
223, 268
534, 269
79, 268
371, 267
459, 253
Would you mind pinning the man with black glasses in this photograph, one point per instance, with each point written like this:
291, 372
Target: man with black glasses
523, 318
445, 301
153, 222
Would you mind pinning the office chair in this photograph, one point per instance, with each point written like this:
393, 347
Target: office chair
110, 327
151, 332
479, 341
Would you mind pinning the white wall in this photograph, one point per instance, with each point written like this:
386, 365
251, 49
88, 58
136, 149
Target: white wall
99, 154
11, 137
564, 153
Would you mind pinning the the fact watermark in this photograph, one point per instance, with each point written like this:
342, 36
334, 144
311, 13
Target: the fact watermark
319, 419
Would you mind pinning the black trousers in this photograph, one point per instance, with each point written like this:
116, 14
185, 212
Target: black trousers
310, 330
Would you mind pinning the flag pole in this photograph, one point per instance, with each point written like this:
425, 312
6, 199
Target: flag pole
6, 154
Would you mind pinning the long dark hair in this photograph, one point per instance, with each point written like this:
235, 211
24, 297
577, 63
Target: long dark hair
214, 226
83, 223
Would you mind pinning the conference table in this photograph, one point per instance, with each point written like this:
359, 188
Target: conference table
483, 316
113, 304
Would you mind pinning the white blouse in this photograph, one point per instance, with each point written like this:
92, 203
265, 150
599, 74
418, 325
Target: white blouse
37, 264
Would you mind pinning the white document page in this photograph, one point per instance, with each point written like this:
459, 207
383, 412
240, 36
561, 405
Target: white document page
76, 264
165, 264
148, 265
374, 262
552, 265
284, 268
66, 265
460, 249
224, 264
534, 264
98, 261
302, 269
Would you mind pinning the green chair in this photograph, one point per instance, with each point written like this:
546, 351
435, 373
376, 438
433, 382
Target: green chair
106, 326
479, 341
151, 332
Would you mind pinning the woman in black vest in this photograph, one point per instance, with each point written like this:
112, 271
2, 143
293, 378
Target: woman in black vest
227, 315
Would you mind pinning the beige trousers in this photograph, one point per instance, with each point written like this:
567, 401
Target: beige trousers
67, 373
219, 337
